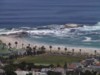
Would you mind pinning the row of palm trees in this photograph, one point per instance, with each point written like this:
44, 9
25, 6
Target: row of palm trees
50, 47
64, 49
42, 48
73, 50
9, 44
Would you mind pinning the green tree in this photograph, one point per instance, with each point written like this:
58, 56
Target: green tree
43, 49
65, 65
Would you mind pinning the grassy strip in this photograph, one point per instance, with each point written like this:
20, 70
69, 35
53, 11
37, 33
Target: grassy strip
47, 59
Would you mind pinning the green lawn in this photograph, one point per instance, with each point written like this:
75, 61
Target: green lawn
44, 59
47, 59
5, 50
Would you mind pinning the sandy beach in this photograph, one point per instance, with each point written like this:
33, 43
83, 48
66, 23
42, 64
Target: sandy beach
12, 39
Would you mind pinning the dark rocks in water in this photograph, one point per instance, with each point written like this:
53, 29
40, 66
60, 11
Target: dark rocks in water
19, 34
22, 33
72, 30
16, 34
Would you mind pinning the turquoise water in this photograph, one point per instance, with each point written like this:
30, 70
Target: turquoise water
80, 37
74, 42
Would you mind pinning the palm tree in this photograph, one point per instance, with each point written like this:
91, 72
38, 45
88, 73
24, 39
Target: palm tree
72, 51
50, 48
9, 45
43, 48
16, 43
34, 48
65, 50
22, 45
95, 52
58, 49
80, 50
29, 50
29, 45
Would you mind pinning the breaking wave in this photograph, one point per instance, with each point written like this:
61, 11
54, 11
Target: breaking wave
57, 30
87, 39
75, 34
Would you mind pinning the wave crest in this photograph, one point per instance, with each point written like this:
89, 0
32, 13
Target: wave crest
57, 30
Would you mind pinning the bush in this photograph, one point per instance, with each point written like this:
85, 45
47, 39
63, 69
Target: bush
10, 73
53, 73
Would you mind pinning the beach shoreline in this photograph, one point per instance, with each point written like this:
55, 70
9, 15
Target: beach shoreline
12, 39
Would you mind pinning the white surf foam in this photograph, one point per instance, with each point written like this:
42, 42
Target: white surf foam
55, 30
87, 39
95, 27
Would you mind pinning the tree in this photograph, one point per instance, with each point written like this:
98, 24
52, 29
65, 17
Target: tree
34, 50
29, 45
65, 50
80, 50
9, 45
43, 49
9, 69
95, 52
50, 48
16, 43
22, 45
58, 49
65, 65
73, 51
29, 50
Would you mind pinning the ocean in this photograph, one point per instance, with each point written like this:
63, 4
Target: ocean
43, 20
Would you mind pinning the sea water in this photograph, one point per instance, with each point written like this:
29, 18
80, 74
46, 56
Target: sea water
29, 15
15, 13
